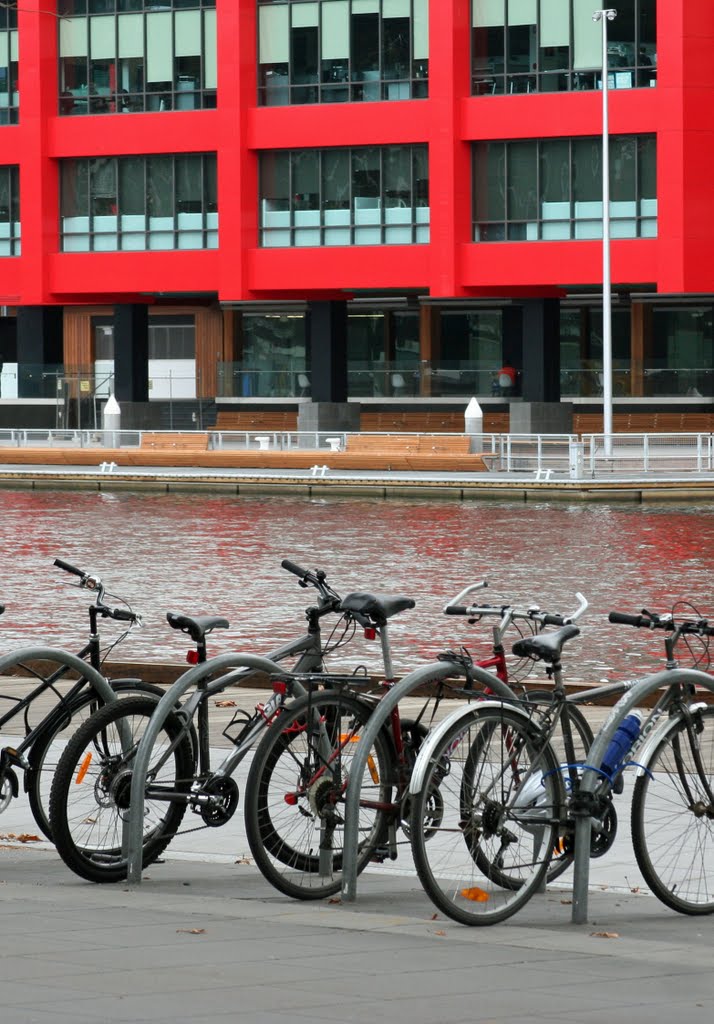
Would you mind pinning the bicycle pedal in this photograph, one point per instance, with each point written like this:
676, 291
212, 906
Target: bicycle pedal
380, 854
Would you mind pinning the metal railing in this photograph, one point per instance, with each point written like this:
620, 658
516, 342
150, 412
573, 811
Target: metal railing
539, 456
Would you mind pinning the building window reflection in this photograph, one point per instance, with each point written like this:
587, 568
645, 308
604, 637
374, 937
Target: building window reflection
139, 202
9, 93
9, 211
521, 46
369, 195
337, 51
131, 56
551, 189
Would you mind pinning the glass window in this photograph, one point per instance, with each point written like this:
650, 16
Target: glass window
554, 45
138, 202
369, 195
9, 211
553, 188
136, 56
333, 51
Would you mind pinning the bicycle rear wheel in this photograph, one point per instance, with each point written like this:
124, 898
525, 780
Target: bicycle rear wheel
673, 816
500, 794
296, 791
47, 749
89, 802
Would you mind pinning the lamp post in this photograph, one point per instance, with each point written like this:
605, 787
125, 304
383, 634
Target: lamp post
603, 16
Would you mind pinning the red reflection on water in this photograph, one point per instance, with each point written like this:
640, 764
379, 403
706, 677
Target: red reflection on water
212, 554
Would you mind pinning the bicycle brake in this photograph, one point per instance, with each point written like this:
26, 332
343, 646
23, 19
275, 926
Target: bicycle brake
462, 658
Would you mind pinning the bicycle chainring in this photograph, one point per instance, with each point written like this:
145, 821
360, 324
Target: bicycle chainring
224, 796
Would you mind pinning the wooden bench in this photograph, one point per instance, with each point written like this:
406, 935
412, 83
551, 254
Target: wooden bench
229, 419
419, 452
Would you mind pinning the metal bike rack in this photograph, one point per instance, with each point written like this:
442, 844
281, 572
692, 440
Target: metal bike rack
637, 691
132, 832
84, 669
419, 677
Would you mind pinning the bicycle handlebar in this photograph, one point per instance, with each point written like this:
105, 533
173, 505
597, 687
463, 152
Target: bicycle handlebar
649, 620
533, 613
89, 582
61, 564
296, 570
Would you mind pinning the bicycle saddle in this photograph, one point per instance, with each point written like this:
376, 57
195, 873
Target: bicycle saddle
376, 607
545, 646
198, 627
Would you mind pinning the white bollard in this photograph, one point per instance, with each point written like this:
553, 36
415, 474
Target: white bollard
473, 425
111, 423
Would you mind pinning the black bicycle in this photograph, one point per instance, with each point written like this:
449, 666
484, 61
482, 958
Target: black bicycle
90, 799
37, 752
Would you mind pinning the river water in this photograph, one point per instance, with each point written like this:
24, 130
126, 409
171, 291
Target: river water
215, 554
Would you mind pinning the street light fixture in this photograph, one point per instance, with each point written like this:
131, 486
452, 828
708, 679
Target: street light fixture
603, 16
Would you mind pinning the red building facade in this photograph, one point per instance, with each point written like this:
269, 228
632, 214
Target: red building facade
456, 269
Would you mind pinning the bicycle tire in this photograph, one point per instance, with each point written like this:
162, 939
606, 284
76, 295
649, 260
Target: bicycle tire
563, 855
90, 794
45, 752
480, 769
672, 817
294, 808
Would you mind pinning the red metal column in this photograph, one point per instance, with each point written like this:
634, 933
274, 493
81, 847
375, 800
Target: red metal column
39, 182
685, 145
449, 154
237, 164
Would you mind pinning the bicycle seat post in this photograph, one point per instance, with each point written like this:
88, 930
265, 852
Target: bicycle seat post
386, 653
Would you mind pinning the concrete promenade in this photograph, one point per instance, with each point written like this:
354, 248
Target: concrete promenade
617, 486
211, 941
205, 938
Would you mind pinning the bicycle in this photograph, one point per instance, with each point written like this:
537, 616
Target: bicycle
91, 795
512, 804
35, 754
296, 789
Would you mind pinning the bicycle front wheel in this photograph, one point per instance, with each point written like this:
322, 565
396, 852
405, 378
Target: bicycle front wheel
296, 793
47, 749
89, 802
673, 816
487, 852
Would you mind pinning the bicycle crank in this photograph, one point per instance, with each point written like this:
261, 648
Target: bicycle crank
223, 796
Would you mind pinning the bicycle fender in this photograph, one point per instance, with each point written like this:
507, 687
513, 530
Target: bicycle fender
435, 736
656, 736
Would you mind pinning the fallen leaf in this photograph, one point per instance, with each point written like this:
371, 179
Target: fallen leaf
435, 917
440, 933
335, 899
243, 860
190, 931
226, 704
605, 935
636, 889
566, 903
24, 837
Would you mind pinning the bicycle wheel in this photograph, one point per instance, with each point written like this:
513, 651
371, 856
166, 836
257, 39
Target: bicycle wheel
563, 855
500, 797
296, 791
673, 816
89, 802
45, 752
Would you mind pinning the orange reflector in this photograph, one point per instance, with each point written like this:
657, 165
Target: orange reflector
476, 895
346, 738
84, 767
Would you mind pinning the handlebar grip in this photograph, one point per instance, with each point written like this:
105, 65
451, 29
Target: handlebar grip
122, 615
456, 609
68, 568
621, 618
553, 620
294, 569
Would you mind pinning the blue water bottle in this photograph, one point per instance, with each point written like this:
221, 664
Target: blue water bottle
621, 744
